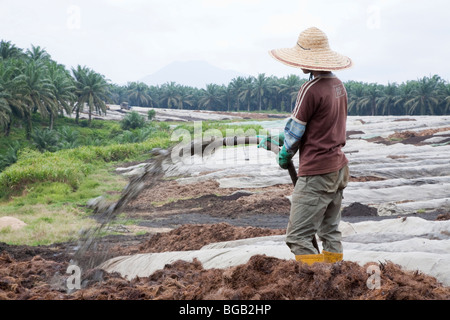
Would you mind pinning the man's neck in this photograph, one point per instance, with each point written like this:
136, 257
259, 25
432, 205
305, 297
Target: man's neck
321, 73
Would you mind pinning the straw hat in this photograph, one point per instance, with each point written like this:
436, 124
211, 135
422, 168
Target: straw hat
312, 52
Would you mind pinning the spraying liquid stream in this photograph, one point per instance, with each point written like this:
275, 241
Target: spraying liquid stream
90, 252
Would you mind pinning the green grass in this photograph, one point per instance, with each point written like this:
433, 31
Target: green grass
45, 224
49, 190
54, 212
69, 166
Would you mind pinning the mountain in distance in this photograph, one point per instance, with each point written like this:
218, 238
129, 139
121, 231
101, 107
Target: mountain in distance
191, 73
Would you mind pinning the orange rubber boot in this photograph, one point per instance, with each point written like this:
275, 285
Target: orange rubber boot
332, 257
309, 259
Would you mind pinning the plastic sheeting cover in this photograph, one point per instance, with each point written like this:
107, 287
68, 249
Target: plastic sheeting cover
407, 242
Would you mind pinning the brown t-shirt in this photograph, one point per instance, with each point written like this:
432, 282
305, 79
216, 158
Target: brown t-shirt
322, 106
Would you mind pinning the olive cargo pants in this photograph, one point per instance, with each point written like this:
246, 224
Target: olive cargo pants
316, 208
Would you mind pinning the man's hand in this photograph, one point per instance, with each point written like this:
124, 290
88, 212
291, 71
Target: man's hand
284, 157
277, 140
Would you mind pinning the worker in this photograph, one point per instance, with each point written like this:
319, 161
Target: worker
317, 130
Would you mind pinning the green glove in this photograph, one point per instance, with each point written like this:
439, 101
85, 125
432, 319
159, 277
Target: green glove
284, 157
271, 139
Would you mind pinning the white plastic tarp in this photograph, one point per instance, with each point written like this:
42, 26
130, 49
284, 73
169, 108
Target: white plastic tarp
409, 243
416, 177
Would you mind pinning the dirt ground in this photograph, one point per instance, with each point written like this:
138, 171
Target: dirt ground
29, 273
412, 137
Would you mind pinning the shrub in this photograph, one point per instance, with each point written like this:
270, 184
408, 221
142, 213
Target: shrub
34, 166
69, 135
93, 141
10, 157
135, 136
164, 126
132, 121
45, 139
126, 137
151, 114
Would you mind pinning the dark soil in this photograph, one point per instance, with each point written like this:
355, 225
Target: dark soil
207, 199
350, 133
194, 237
404, 119
56, 252
412, 137
357, 209
444, 216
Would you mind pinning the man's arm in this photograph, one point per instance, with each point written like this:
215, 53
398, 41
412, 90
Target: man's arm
293, 133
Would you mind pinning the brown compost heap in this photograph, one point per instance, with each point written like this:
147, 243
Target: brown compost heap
39, 273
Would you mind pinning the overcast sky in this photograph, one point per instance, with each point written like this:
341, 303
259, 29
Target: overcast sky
125, 40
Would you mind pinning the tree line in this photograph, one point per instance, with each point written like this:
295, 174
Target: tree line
425, 96
32, 83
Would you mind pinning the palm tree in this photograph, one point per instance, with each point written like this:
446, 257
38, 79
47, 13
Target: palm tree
445, 96
38, 93
210, 97
154, 92
404, 94
139, 92
424, 96
237, 85
387, 99
38, 54
247, 91
371, 96
8, 51
289, 88
5, 110
227, 95
91, 89
63, 89
118, 94
187, 99
170, 96
11, 92
260, 87
355, 96
273, 92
